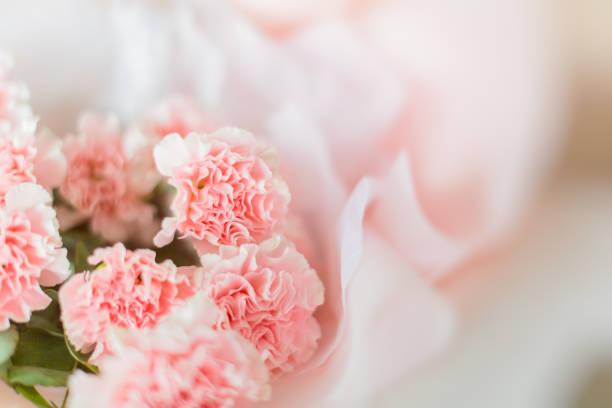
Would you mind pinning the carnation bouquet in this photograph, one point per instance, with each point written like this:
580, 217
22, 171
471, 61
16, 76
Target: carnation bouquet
233, 215
236, 313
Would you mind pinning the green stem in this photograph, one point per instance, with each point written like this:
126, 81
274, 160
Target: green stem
65, 398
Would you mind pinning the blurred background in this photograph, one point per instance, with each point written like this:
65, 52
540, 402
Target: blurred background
536, 317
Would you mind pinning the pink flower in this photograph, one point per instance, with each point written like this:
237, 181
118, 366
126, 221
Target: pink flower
31, 253
101, 183
16, 164
177, 114
268, 294
182, 362
228, 188
96, 164
49, 163
127, 289
17, 126
29, 158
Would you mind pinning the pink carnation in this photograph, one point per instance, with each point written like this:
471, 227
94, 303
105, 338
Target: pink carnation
17, 124
268, 294
182, 362
16, 164
128, 289
99, 182
29, 158
177, 114
228, 188
31, 253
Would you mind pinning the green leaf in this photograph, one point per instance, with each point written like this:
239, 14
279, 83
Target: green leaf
72, 237
179, 252
65, 398
30, 393
48, 319
37, 376
52, 293
37, 348
80, 258
4, 367
8, 343
82, 358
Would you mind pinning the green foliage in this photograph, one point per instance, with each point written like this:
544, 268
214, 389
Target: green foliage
8, 343
31, 394
48, 320
80, 237
179, 252
80, 258
81, 358
25, 375
37, 348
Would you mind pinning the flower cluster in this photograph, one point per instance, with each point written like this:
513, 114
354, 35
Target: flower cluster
189, 364
199, 335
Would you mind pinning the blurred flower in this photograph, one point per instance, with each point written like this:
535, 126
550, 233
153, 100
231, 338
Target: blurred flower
127, 289
96, 164
228, 188
267, 293
24, 156
183, 362
49, 163
31, 253
16, 115
16, 164
30, 158
103, 183
177, 114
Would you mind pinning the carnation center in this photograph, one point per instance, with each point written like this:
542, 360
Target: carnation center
224, 196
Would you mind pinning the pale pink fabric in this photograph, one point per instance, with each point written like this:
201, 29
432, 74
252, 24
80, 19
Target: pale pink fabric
31, 253
183, 362
267, 293
127, 289
101, 180
228, 187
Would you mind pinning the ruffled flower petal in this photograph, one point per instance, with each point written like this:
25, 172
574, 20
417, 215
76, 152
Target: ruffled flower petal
128, 289
227, 190
268, 294
31, 253
183, 362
